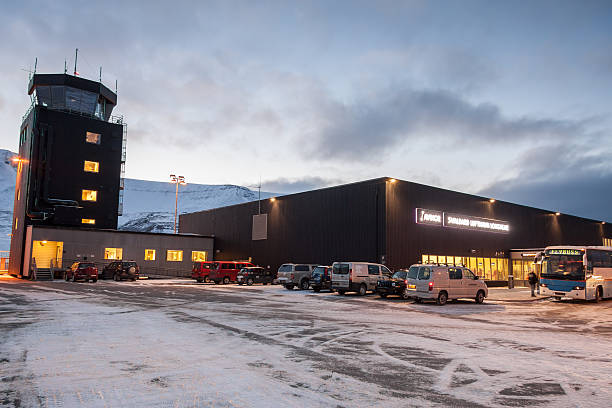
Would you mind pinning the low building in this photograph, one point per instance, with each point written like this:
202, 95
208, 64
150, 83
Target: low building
52, 249
394, 222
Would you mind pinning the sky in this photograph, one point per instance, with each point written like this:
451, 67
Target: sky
504, 99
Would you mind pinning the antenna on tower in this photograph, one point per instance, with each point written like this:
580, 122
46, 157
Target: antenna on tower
65, 66
115, 87
100, 73
35, 64
76, 55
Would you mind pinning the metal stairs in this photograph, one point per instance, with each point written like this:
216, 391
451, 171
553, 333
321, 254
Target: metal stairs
44, 274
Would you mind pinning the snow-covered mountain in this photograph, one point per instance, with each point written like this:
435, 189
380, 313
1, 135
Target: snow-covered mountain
147, 205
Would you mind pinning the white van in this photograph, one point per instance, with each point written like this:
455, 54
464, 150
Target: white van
441, 283
357, 276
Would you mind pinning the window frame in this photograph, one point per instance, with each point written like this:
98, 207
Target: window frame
117, 251
178, 252
96, 166
154, 254
98, 136
85, 191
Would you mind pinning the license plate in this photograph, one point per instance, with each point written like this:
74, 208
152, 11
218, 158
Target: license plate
411, 286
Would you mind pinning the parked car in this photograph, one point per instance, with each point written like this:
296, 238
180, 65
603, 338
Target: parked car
82, 271
120, 270
441, 283
291, 275
397, 284
357, 277
321, 278
226, 271
255, 274
201, 271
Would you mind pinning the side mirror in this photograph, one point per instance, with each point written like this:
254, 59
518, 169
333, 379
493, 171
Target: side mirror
476, 277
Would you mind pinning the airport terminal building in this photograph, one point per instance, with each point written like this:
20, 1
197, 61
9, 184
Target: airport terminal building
394, 222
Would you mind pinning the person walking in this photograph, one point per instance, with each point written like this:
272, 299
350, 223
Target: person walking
533, 280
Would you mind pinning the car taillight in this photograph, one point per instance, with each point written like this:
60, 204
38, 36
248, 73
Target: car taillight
406, 281
430, 285
543, 285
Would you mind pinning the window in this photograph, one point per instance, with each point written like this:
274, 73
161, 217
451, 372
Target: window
301, 268
91, 166
385, 271
424, 273
149, 255
89, 195
467, 274
113, 253
87, 221
373, 269
607, 241
454, 273
174, 255
16, 222
227, 266
198, 256
94, 138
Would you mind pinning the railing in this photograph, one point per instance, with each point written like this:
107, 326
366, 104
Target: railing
118, 119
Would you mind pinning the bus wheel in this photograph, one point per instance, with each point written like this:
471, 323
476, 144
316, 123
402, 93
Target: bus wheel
226, 280
597, 294
442, 298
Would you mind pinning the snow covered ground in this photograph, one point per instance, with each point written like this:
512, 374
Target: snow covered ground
175, 343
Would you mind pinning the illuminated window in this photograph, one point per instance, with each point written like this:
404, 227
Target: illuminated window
91, 166
18, 193
198, 256
607, 241
16, 219
94, 138
87, 221
90, 195
113, 253
174, 256
149, 255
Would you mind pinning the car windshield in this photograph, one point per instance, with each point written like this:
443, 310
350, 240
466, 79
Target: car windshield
341, 269
285, 268
319, 270
399, 275
413, 272
567, 267
86, 265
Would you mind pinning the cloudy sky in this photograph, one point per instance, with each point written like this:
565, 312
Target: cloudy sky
508, 99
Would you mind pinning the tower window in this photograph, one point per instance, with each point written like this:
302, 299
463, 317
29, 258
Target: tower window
198, 256
94, 138
89, 195
87, 221
91, 166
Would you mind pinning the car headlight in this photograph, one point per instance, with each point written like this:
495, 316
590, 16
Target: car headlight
579, 288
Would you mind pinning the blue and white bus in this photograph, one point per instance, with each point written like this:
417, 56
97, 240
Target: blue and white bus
577, 272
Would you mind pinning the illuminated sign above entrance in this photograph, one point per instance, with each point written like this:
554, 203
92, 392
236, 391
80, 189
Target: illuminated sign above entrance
564, 252
451, 220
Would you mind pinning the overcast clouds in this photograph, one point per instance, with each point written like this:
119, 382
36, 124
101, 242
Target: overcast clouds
510, 99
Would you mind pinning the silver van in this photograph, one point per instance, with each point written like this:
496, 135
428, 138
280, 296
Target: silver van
291, 275
357, 276
441, 283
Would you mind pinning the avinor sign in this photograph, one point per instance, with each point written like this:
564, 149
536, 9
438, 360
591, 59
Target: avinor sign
444, 219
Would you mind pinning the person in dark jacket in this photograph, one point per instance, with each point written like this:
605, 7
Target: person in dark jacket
533, 280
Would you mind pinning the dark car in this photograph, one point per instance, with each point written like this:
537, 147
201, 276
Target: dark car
321, 278
119, 270
82, 271
255, 274
397, 284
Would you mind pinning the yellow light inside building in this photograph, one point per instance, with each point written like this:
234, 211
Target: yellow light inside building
198, 256
91, 166
87, 221
89, 195
149, 255
174, 256
113, 253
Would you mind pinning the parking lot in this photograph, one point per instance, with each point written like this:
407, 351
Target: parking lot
155, 343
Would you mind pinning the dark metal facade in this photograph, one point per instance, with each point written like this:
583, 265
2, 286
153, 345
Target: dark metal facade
375, 221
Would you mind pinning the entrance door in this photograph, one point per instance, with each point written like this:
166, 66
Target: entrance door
46, 253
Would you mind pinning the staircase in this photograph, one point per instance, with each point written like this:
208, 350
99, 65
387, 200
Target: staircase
44, 274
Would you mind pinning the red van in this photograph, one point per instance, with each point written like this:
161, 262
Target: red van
201, 271
227, 271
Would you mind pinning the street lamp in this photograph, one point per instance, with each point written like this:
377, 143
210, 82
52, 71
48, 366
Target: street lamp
178, 180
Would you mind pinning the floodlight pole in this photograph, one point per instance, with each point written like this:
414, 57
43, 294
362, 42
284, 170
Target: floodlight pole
176, 180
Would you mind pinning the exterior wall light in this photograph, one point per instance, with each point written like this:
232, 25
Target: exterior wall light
491, 200
557, 213
17, 159
392, 180
273, 199
603, 223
